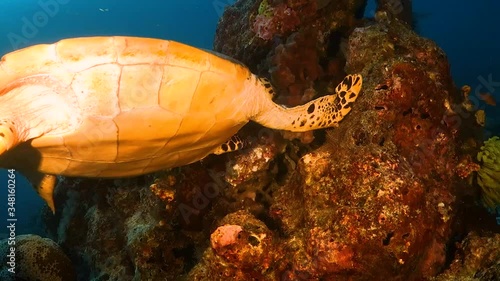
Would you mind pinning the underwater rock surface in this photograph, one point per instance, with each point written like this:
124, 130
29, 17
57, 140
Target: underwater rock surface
242, 248
115, 230
477, 258
372, 199
377, 198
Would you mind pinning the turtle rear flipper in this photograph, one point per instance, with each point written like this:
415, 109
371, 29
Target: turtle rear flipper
24, 158
44, 185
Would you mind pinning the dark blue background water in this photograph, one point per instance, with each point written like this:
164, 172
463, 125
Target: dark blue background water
468, 31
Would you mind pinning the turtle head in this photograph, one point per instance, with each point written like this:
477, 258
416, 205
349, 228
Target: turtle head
8, 136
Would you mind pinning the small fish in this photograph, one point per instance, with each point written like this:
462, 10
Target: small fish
480, 117
103, 9
488, 98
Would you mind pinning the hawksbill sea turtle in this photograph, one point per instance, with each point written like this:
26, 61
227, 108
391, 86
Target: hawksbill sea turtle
110, 107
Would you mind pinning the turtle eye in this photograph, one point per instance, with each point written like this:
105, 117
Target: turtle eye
7, 137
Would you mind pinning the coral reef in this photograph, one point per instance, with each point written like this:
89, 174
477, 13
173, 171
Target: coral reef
399, 9
36, 258
242, 248
250, 170
277, 21
116, 230
377, 199
297, 42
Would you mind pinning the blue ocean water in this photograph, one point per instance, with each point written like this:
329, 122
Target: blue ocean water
468, 32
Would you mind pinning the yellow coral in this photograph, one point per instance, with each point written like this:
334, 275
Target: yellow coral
489, 173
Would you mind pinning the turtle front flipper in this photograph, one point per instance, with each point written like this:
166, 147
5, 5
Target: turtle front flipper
44, 185
233, 144
323, 112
